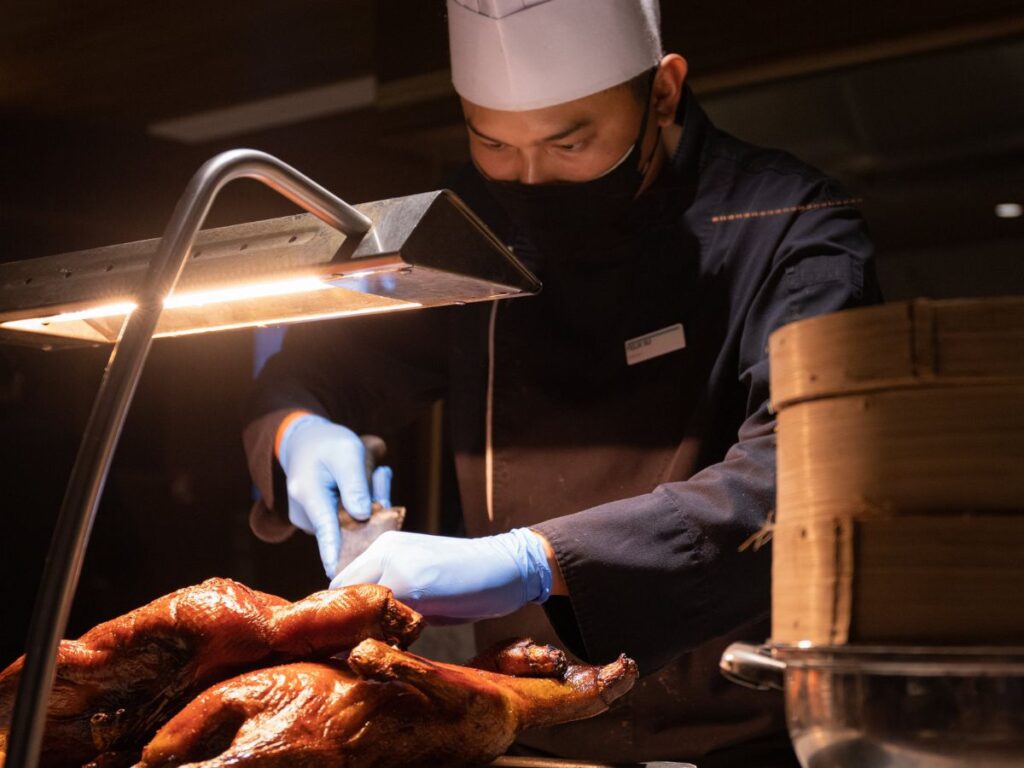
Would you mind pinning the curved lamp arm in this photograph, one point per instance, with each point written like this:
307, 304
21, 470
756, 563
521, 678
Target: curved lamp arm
103, 430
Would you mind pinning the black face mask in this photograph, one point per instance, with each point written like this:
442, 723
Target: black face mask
577, 224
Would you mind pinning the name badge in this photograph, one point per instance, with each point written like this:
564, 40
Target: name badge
655, 344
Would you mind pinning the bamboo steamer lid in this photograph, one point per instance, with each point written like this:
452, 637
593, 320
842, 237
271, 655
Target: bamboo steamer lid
903, 344
900, 496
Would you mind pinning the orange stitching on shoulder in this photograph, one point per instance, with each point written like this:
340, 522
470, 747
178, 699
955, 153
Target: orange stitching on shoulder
779, 211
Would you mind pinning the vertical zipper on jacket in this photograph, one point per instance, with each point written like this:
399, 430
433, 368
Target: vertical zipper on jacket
489, 424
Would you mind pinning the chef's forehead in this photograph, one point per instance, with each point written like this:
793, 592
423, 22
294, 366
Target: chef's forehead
602, 110
519, 55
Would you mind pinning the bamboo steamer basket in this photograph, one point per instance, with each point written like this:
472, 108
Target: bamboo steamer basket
900, 486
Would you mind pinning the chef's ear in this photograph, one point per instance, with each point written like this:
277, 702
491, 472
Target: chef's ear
669, 82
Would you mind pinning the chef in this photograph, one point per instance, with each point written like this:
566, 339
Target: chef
612, 436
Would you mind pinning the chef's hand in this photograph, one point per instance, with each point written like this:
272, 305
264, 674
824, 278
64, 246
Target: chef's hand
448, 579
323, 462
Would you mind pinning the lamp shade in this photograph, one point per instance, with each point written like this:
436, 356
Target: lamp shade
422, 250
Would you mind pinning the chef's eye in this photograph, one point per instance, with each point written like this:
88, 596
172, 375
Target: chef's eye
495, 145
576, 146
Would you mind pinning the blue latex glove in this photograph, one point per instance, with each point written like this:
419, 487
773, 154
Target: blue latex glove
323, 462
449, 579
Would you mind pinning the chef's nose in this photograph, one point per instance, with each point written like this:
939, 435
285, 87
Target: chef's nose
531, 169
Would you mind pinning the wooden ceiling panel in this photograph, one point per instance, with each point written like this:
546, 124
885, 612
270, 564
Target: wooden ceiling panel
137, 62
718, 35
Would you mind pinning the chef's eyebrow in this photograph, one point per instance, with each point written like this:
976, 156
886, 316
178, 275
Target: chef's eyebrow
578, 125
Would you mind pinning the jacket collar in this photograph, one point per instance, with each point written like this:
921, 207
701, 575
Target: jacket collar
685, 161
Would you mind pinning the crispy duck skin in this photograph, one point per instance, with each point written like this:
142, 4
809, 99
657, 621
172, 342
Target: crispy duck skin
385, 708
123, 679
523, 658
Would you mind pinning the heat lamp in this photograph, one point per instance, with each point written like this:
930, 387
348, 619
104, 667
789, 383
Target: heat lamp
337, 260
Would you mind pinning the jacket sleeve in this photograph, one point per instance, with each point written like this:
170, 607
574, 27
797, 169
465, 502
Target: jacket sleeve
659, 574
371, 374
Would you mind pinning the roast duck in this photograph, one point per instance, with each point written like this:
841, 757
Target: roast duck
219, 674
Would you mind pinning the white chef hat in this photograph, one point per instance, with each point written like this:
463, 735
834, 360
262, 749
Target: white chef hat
516, 55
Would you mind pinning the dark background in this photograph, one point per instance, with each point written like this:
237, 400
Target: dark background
917, 106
